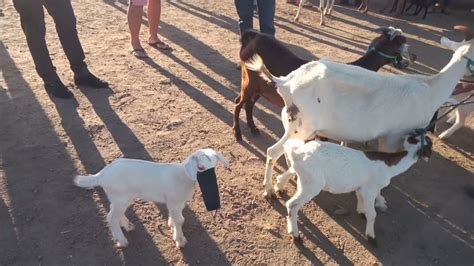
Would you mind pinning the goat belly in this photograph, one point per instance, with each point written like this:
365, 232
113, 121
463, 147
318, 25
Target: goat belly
210, 191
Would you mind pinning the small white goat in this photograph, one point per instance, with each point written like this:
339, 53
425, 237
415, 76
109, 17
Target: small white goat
325, 8
171, 183
338, 169
349, 103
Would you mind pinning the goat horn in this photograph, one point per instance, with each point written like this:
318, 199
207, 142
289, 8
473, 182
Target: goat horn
467, 32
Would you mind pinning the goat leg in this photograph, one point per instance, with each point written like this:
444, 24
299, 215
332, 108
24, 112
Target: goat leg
249, 104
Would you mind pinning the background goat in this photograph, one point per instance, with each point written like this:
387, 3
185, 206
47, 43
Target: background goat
338, 169
349, 103
389, 47
325, 7
171, 183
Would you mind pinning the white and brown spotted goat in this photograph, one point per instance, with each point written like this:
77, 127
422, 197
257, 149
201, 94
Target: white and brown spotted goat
337, 169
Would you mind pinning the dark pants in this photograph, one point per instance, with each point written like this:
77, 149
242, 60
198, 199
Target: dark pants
33, 25
266, 15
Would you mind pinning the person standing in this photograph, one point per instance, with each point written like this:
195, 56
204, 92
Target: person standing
134, 16
266, 15
33, 25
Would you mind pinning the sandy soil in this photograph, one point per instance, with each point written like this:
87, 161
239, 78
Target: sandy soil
164, 108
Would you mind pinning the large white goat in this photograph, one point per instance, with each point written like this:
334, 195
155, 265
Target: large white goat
349, 103
337, 169
171, 183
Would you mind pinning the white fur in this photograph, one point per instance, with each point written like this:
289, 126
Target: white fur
325, 8
458, 116
171, 183
349, 103
337, 169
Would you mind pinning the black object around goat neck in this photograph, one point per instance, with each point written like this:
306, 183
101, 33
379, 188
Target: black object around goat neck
210, 192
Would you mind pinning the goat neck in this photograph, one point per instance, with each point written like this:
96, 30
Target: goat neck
371, 61
443, 84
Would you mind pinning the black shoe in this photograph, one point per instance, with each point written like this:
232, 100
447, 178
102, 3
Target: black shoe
57, 89
89, 80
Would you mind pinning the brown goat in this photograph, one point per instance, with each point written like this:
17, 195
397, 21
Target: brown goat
280, 61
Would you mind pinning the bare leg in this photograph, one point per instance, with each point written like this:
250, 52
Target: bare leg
134, 16
154, 15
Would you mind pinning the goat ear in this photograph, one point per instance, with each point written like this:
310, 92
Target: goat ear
221, 158
191, 167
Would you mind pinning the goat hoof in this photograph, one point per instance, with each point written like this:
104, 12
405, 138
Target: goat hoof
238, 136
122, 244
297, 240
372, 241
362, 215
181, 243
255, 131
269, 195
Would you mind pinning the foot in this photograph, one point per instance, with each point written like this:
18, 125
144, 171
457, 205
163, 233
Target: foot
58, 89
88, 79
139, 53
122, 243
159, 44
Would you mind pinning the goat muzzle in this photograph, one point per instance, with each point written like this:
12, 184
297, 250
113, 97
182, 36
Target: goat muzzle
210, 191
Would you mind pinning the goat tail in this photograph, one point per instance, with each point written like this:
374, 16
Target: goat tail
88, 181
292, 144
255, 63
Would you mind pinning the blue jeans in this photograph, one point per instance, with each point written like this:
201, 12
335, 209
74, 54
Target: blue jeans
266, 15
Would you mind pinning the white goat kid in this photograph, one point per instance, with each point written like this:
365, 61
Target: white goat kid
338, 169
171, 183
325, 7
349, 103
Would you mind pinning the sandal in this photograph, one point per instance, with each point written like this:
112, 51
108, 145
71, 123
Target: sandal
139, 53
160, 45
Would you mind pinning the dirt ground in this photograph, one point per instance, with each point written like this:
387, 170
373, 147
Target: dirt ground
165, 107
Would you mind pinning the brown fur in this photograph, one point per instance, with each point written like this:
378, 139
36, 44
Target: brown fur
388, 158
280, 61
